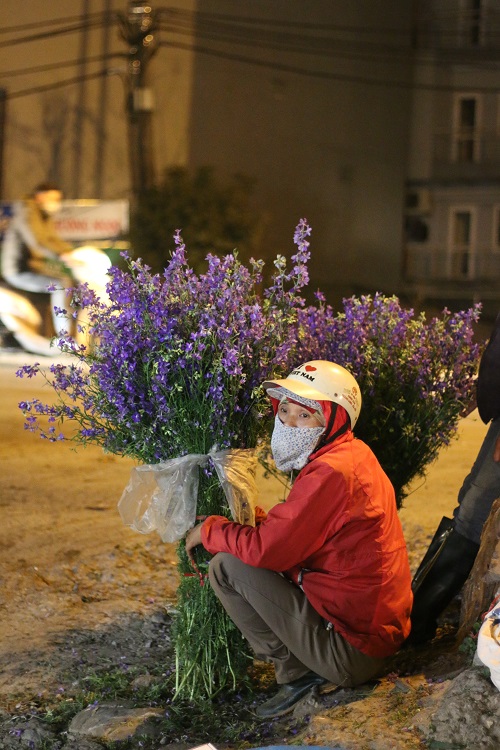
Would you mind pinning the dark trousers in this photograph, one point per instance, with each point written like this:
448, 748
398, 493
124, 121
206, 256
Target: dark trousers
480, 489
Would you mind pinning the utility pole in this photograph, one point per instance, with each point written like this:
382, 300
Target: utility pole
80, 113
138, 29
100, 151
3, 107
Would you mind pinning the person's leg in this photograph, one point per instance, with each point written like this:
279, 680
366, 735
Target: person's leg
34, 282
435, 586
281, 626
59, 301
479, 490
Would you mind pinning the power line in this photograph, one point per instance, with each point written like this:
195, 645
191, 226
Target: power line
219, 20
100, 58
280, 41
322, 74
200, 15
325, 75
443, 23
224, 30
57, 84
217, 27
50, 34
210, 28
326, 47
51, 22
59, 65
203, 16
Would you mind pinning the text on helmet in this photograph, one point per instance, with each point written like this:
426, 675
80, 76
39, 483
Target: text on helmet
304, 375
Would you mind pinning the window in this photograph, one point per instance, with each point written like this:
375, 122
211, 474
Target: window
461, 228
496, 229
465, 137
461, 245
471, 22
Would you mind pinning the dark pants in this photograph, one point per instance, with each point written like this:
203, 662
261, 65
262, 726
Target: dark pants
480, 489
282, 627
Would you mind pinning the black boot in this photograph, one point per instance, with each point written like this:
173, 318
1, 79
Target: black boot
438, 582
443, 530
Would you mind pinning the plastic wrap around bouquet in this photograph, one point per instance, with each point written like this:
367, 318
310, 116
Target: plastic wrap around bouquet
488, 641
163, 497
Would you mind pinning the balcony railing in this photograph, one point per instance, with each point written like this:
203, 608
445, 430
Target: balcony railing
446, 28
433, 265
477, 157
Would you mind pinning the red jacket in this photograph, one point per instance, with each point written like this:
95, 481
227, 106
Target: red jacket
339, 527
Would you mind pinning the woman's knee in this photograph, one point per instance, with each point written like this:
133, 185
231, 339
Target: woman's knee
219, 568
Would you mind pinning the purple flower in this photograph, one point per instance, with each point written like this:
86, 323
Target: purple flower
415, 375
177, 359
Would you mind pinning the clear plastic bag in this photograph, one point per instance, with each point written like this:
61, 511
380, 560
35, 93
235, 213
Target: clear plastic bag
488, 641
163, 497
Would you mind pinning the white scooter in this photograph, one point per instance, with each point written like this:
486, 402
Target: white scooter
22, 319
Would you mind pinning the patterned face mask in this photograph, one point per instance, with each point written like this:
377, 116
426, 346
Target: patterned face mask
292, 446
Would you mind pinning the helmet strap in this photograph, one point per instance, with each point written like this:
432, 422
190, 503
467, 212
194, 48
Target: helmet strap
326, 438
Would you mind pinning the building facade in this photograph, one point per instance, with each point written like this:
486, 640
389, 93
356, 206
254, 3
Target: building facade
312, 101
452, 205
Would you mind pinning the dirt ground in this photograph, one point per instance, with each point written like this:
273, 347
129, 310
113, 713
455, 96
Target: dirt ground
69, 567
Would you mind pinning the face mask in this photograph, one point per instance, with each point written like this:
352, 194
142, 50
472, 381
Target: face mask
292, 446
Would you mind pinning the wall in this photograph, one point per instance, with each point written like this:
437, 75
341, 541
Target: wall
331, 147
55, 133
316, 108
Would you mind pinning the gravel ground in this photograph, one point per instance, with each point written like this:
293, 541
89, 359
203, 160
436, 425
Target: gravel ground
80, 591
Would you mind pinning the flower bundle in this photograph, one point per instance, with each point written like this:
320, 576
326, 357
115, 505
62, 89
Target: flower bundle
416, 375
174, 369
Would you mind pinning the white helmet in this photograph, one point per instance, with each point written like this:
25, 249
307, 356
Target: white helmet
323, 381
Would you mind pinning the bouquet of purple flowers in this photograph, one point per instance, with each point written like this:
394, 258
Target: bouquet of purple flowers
416, 375
173, 368
172, 372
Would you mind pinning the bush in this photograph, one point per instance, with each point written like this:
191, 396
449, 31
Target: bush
212, 218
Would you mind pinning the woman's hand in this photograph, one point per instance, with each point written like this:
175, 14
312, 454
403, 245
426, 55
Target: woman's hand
193, 539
